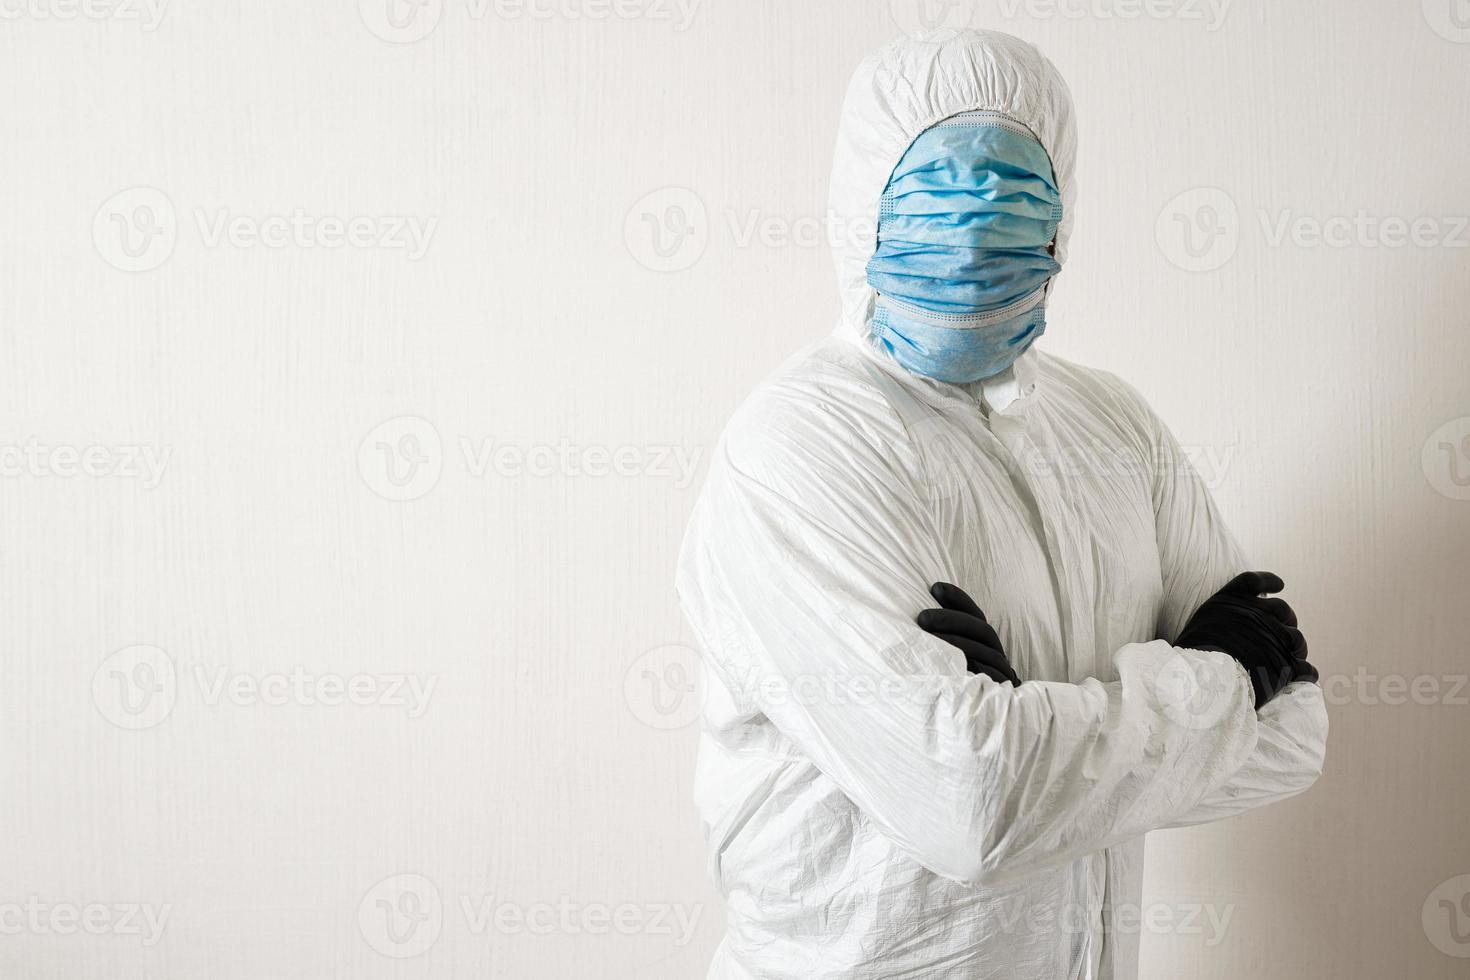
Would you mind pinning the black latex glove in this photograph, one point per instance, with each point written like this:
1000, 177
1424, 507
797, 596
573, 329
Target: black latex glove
1258, 632
960, 623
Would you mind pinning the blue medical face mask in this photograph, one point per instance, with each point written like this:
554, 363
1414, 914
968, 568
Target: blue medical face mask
964, 258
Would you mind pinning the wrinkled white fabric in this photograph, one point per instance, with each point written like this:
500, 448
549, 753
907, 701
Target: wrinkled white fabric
872, 809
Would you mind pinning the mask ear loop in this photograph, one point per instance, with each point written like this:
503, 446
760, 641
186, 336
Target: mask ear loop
878, 325
1051, 246
1046, 290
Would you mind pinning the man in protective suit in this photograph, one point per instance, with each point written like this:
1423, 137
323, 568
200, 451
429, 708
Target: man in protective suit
972, 626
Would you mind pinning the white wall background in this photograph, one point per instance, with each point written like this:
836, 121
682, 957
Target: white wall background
1326, 386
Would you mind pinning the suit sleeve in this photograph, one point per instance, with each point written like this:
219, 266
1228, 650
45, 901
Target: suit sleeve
802, 573
1199, 556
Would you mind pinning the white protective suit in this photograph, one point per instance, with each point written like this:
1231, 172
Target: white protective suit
872, 809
